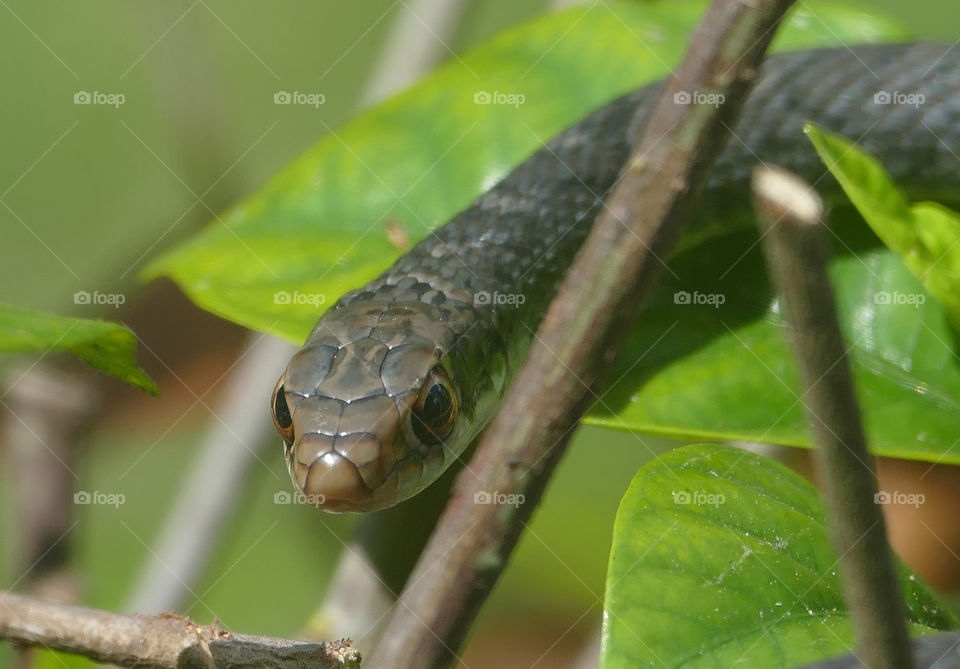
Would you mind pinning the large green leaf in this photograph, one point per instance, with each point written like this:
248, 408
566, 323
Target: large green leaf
317, 229
109, 347
721, 558
925, 234
725, 371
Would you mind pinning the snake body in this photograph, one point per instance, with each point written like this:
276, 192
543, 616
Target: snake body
401, 375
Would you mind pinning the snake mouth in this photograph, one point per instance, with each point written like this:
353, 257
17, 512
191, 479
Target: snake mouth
332, 482
340, 470
350, 472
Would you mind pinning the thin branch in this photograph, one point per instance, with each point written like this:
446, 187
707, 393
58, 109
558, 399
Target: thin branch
790, 217
417, 40
48, 407
159, 641
581, 333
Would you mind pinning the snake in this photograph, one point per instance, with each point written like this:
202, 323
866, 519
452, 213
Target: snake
401, 375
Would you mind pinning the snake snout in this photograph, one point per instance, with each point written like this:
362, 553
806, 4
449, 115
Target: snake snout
363, 408
332, 482
341, 470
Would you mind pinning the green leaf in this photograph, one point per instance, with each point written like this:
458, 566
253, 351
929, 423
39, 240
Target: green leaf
924, 234
109, 347
725, 371
721, 558
277, 260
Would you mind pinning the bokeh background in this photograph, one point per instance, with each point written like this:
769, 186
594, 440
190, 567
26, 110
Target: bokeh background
90, 193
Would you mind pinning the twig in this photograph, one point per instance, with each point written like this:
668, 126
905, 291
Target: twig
48, 407
790, 217
580, 335
416, 42
158, 641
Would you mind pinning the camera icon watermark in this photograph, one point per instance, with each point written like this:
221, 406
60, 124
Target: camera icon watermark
684, 297
512, 499
698, 98
499, 98
97, 98
900, 498
698, 498
296, 297
898, 98
884, 298
98, 298
114, 499
497, 299
299, 98
287, 497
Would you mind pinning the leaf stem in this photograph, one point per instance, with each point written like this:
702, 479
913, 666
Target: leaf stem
790, 217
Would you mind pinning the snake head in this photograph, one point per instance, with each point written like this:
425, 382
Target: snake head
367, 408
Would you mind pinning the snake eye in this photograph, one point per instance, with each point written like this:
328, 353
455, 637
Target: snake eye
282, 419
435, 408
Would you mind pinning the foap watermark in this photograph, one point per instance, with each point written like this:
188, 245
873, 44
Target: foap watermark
896, 297
496, 299
114, 499
299, 98
698, 498
698, 98
99, 98
286, 497
498, 98
914, 499
898, 98
96, 297
296, 297
696, 297
504, 499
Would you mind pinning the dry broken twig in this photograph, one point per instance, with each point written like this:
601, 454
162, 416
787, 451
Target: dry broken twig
163, 641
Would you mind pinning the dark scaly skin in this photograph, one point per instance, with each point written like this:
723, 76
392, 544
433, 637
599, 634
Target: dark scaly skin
351, 387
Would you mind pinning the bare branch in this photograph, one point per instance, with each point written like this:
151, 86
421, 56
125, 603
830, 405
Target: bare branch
790, 217
48, 407
161, 641
581, 333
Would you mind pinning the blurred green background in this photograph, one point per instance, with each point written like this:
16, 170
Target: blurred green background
89, 193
